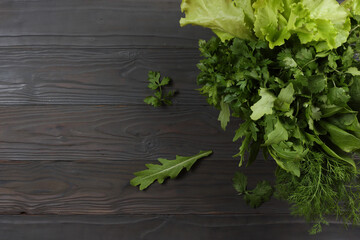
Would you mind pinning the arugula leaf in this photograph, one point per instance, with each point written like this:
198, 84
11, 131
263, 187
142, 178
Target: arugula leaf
344, 140
159, 98
168, 168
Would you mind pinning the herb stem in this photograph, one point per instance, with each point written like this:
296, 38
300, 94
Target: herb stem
354, 29
318, 184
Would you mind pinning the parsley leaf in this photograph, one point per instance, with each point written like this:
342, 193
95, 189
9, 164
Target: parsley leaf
159, 98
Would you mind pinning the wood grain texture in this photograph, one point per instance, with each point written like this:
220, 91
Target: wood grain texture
164, 227
102, 187
93, 23
94, 76
60, 132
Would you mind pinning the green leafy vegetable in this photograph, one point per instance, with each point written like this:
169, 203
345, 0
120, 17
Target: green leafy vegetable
159, 98
322, 23
256, 197
226, 18
264, 105
296, 106
168, 168
290, 70
224, 116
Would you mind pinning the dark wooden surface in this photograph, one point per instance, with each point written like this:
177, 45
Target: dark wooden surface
73, 129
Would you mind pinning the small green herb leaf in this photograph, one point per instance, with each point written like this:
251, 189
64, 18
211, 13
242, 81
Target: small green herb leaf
240, 182
277, 135
260, 194
168, 168
264, 105
256, 197
159, 98
224, 115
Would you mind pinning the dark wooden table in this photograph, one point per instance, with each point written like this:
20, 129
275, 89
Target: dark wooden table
73, 129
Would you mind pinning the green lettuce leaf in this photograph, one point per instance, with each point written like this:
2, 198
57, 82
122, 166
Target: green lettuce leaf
352, 5
228, 19
270, 24
322, 23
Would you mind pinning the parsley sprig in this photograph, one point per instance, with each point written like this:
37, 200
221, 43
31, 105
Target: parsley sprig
160, 97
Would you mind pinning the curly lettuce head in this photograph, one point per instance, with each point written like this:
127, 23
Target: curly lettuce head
324, 24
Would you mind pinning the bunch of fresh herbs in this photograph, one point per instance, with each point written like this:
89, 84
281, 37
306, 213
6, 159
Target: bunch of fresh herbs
289, 70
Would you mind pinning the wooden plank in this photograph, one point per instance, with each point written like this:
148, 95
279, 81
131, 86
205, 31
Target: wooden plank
111, 132
94, 76
167, 227
93, 23
102, 187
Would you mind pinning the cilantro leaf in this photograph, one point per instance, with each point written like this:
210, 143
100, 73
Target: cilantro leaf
353, 71
317, 83
338, 96
240, 182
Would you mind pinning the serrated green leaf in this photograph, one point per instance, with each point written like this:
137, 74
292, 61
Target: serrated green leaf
286, 59
242, 130
151, 100
260, 194
304, 57
338, 96
224, 115
159, 97
317, 83
168, 168
353, 71
278, 134
239, 182
264, 105
225, 18
165, 81
285, 98
244, 146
